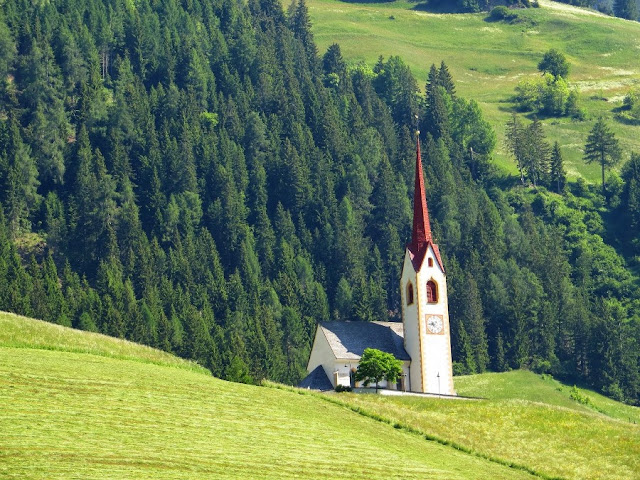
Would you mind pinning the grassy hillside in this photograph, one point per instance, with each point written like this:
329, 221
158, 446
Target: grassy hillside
89, 406
22, 332
527, 420
72, 406
488, 59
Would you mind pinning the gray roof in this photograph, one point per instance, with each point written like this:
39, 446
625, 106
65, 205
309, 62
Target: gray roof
349, 339
317, 380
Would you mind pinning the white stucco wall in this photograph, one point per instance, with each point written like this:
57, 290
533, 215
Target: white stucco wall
321, 354
410, 321
433, 372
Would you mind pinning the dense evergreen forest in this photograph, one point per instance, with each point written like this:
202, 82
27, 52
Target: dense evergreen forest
194, 175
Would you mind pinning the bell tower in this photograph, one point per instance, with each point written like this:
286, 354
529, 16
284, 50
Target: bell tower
425, 310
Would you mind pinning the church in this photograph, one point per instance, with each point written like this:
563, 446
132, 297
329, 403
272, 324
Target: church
422, 341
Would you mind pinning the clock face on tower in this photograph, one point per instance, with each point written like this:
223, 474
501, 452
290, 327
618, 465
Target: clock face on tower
434, 324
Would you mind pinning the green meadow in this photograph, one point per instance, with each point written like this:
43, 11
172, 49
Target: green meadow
526, 420
81, 407
488, 59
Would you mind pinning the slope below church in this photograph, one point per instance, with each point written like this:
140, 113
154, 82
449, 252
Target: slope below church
422, 340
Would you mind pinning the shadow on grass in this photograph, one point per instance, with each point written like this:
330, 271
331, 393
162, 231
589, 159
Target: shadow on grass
506, 181
436, 6
625, 119
506, 108
368, 1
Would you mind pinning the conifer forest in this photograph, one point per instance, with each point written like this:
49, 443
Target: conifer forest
196, 176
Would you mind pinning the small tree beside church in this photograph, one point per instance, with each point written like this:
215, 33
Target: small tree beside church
376, 365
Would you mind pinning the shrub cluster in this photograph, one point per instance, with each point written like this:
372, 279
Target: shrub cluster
502, 13
631, 105
548, 95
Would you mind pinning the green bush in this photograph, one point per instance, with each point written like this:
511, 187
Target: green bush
502, 13
548, 95
541, 366
631, 103
572, 108
459, 369
614, 391
580, 397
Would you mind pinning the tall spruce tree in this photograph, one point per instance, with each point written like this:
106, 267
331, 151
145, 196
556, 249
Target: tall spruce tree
445, 80
516, 143
626, 9
557, 173
602, 147
537, 152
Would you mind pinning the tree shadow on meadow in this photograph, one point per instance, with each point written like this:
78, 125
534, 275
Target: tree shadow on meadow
368, 1
436, 6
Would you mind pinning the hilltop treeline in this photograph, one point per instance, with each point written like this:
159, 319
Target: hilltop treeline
195, 176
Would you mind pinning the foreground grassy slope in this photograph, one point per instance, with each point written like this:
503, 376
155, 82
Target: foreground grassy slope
487, 60
66, 414
527, 420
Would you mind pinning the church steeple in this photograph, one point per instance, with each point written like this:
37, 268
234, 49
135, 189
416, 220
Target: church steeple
425, 314
421, 234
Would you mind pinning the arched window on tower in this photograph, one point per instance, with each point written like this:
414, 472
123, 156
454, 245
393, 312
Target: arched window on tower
409, 293
432, 292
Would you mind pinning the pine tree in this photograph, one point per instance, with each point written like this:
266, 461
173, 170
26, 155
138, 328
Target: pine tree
343, 300
436, 119
49, 126
433, 81
474, 319
94, 205
21, 182
537, 152
56, 305
626, 9
333, 63
631, 200
603, 147
7, 54
516, 143
445, 80
557, 173
301, 27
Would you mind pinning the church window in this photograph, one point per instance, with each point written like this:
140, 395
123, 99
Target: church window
409, 293
430, 262
432, 292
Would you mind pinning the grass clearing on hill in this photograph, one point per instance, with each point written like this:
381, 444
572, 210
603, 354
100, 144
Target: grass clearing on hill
65, 414
22, 332
527, 420
488, 59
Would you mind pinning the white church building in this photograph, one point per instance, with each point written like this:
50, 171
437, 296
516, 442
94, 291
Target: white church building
422, 340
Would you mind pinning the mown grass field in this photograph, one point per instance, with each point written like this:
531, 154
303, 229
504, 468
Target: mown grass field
77, 405
22, 332
488, 59
526, 420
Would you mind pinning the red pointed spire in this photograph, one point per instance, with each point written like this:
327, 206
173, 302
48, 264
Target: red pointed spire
421, 234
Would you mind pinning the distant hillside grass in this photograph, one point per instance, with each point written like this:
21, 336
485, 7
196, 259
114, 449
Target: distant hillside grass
22, 332
528, 420
488, 59
72, 406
